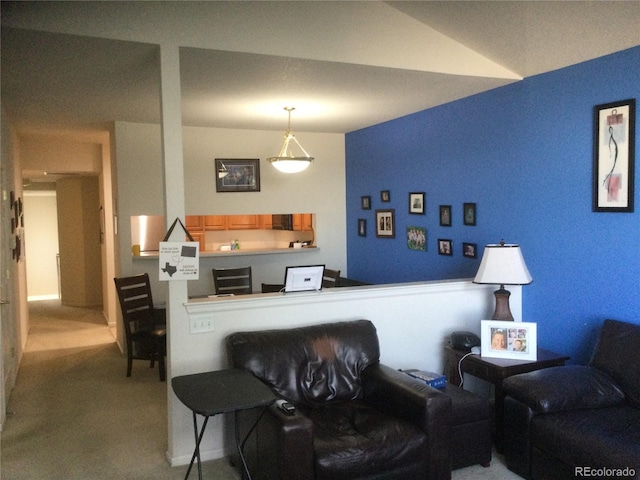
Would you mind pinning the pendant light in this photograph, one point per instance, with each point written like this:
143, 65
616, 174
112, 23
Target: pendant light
286, 161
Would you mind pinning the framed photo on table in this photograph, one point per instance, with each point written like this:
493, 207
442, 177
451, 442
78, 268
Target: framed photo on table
514, 340
613, 156
237, 175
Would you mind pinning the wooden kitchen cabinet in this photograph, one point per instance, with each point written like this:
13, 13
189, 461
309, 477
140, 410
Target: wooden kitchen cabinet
193, 222
197, 237
243, 222
302, 222
215, 222
266, 222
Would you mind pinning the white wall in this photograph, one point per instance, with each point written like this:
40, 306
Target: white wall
41, 244
320, 190
413, 322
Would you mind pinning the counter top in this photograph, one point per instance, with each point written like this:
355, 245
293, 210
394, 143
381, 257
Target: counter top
241, 252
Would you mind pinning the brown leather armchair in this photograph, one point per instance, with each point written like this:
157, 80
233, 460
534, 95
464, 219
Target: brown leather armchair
355, 418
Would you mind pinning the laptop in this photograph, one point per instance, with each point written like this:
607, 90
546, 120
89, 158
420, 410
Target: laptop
303, 279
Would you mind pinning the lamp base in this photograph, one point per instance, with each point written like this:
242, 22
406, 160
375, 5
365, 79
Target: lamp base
502, 311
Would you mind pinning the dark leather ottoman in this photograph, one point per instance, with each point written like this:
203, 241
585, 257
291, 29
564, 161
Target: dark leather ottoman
470, 428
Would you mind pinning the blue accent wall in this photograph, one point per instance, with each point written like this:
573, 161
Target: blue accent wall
523, 153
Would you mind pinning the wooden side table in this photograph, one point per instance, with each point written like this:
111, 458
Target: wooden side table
494, 371
222, 391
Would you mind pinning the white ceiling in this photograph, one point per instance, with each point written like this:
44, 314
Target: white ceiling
343, 65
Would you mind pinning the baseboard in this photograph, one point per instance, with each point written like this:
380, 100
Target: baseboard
205, 456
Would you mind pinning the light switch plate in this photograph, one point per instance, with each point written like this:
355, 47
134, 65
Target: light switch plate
201, 324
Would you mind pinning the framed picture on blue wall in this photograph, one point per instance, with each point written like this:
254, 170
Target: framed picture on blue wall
416, 203
445, 215
613, 156
365, 202
362, 227
469, 214
445, 247
385, 223
469, 250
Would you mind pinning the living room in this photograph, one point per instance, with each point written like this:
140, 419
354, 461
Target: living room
522, 153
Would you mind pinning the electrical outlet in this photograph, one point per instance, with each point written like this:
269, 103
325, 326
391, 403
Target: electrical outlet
201, 324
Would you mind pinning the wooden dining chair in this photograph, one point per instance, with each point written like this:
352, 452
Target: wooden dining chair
330, 278
272, 287
144, 326
234, 281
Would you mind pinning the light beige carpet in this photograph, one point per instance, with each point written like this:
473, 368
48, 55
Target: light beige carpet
74, 415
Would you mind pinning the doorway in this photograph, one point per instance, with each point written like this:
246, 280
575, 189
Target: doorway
63, 242
41, 243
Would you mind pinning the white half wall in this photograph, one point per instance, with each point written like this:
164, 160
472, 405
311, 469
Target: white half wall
413, 321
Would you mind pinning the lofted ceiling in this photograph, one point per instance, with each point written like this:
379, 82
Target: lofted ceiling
76, 66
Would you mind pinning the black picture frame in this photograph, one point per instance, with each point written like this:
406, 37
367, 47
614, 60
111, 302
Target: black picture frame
470, 250
445, 247
362, 227
445, 215
614, 156
469, 214
365, 202
385, 196
417, 203
237, 174
385, 223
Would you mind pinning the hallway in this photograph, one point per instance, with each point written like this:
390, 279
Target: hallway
74, 415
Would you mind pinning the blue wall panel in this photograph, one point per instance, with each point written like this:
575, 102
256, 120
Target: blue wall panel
523, 154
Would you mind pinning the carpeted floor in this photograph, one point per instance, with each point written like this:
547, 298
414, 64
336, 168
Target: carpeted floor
74, 415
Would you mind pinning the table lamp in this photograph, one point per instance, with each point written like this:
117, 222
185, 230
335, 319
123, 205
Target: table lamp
502, 264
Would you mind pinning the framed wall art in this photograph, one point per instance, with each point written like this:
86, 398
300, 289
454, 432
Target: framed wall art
445, 247
237, 175
385, 196
385, 223
417, 238
469, 250
365, 202
469, 213
613, 156
445, 215
514, 340
416, 203
362, 227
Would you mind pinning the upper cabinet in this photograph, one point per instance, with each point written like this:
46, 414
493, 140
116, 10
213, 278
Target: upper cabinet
243, 222
302, 222
214, 222
201, 223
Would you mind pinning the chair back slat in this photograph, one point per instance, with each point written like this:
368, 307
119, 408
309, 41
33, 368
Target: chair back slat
236, 281
144, 326
330, 278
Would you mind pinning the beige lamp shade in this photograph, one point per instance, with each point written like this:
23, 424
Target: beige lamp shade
503, 264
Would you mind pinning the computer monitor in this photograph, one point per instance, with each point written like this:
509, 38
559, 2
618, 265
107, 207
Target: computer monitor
303, 279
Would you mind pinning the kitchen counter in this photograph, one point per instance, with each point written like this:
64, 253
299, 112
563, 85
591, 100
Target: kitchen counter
241, 252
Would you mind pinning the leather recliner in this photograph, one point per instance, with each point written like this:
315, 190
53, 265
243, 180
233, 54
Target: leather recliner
579, 420
355, 418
